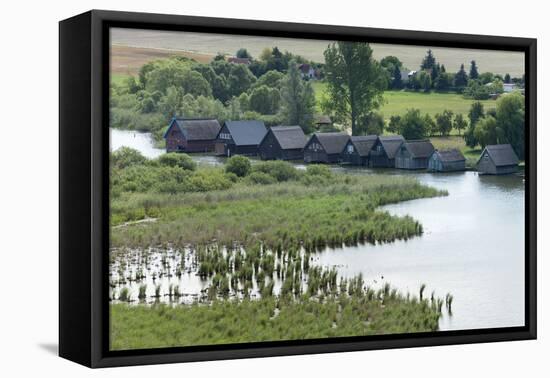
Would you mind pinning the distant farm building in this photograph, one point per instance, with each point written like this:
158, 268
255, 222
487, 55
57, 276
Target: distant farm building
509, 87
240, 138
447, 161
191, 134
307, 71
325, 147
498, 159
382, 154
414, 154
357, 149
283, 143
234, 59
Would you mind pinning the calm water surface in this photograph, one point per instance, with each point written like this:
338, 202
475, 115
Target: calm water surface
472, 246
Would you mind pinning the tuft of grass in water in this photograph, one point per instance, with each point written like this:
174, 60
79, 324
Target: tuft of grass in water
449, 303
124, 295
421, 293
142, 292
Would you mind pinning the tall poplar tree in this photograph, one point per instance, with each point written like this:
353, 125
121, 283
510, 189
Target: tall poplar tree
355, 83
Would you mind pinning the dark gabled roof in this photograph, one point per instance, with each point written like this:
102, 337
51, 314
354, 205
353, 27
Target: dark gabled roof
363, 144
391, 144
323, 120
234, 59
289, 137
419, 148
246, 133
501, 154
196, 128
450, 155
333, 143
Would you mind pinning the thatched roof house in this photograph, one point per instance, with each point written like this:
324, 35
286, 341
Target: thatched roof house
240, 138
191, 134
414, 154
383, 152
357, 149
325, 147
447, 161
283, 143
498, 159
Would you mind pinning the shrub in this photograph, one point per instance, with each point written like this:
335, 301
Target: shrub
238, 165
207, 180
280, 170
261, 178
174, 159
125, 157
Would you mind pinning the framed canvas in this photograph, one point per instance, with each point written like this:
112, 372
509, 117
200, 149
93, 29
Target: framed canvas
234, 188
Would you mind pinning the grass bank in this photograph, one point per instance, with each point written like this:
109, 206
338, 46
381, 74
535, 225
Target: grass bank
271, 319
281, 215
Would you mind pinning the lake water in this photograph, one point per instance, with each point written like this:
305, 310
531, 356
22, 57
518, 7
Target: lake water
473, 244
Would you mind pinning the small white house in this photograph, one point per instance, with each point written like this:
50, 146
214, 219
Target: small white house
509, 87
307, 71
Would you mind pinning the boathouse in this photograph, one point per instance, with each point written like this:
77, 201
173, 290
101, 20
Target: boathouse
414, 154
447, 161
283, 143
191, 134
325, 147
382, 154
357, 149
498, 159
240, 138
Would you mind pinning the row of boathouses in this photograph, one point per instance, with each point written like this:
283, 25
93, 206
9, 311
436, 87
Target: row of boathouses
253, 138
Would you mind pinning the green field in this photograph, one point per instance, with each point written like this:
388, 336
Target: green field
397, 102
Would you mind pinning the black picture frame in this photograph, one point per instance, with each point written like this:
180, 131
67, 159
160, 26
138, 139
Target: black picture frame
83, 181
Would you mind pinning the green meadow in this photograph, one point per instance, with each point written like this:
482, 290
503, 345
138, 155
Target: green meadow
398, 102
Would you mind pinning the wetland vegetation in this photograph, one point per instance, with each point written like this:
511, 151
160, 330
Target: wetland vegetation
246, 235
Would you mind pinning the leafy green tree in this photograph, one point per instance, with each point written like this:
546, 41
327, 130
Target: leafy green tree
170, 104
393, 66
191, 82
272, 79
428, 62
444, 122
461, 78
264, 100
487, 132
510, 118
238, 165
496, 86
430, 125
476, 90
460, 123
355, 82
474, 74
396, 82
243, 54
507, 79
424, 81
297, 100
394, 126
240, 79
475, 113
218, 83
444, 81
372, 124
413, 125
486, 77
